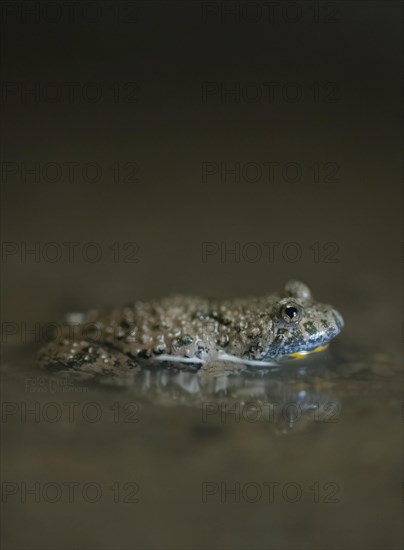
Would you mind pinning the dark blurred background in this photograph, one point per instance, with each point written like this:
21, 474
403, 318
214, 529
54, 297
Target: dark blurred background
174, 124
215, 148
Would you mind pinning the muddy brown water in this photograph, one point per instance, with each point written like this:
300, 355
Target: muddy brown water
305, 456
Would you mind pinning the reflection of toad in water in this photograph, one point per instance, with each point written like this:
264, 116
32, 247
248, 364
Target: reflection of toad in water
286, 400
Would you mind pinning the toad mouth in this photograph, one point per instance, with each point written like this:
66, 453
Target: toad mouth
299, 354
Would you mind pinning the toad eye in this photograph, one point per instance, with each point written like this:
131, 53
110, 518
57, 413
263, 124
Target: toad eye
290, 313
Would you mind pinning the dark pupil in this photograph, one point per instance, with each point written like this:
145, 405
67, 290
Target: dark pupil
291, 312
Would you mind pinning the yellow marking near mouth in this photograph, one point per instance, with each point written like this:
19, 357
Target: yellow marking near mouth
299, 354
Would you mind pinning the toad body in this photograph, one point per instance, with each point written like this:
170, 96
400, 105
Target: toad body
186, 329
